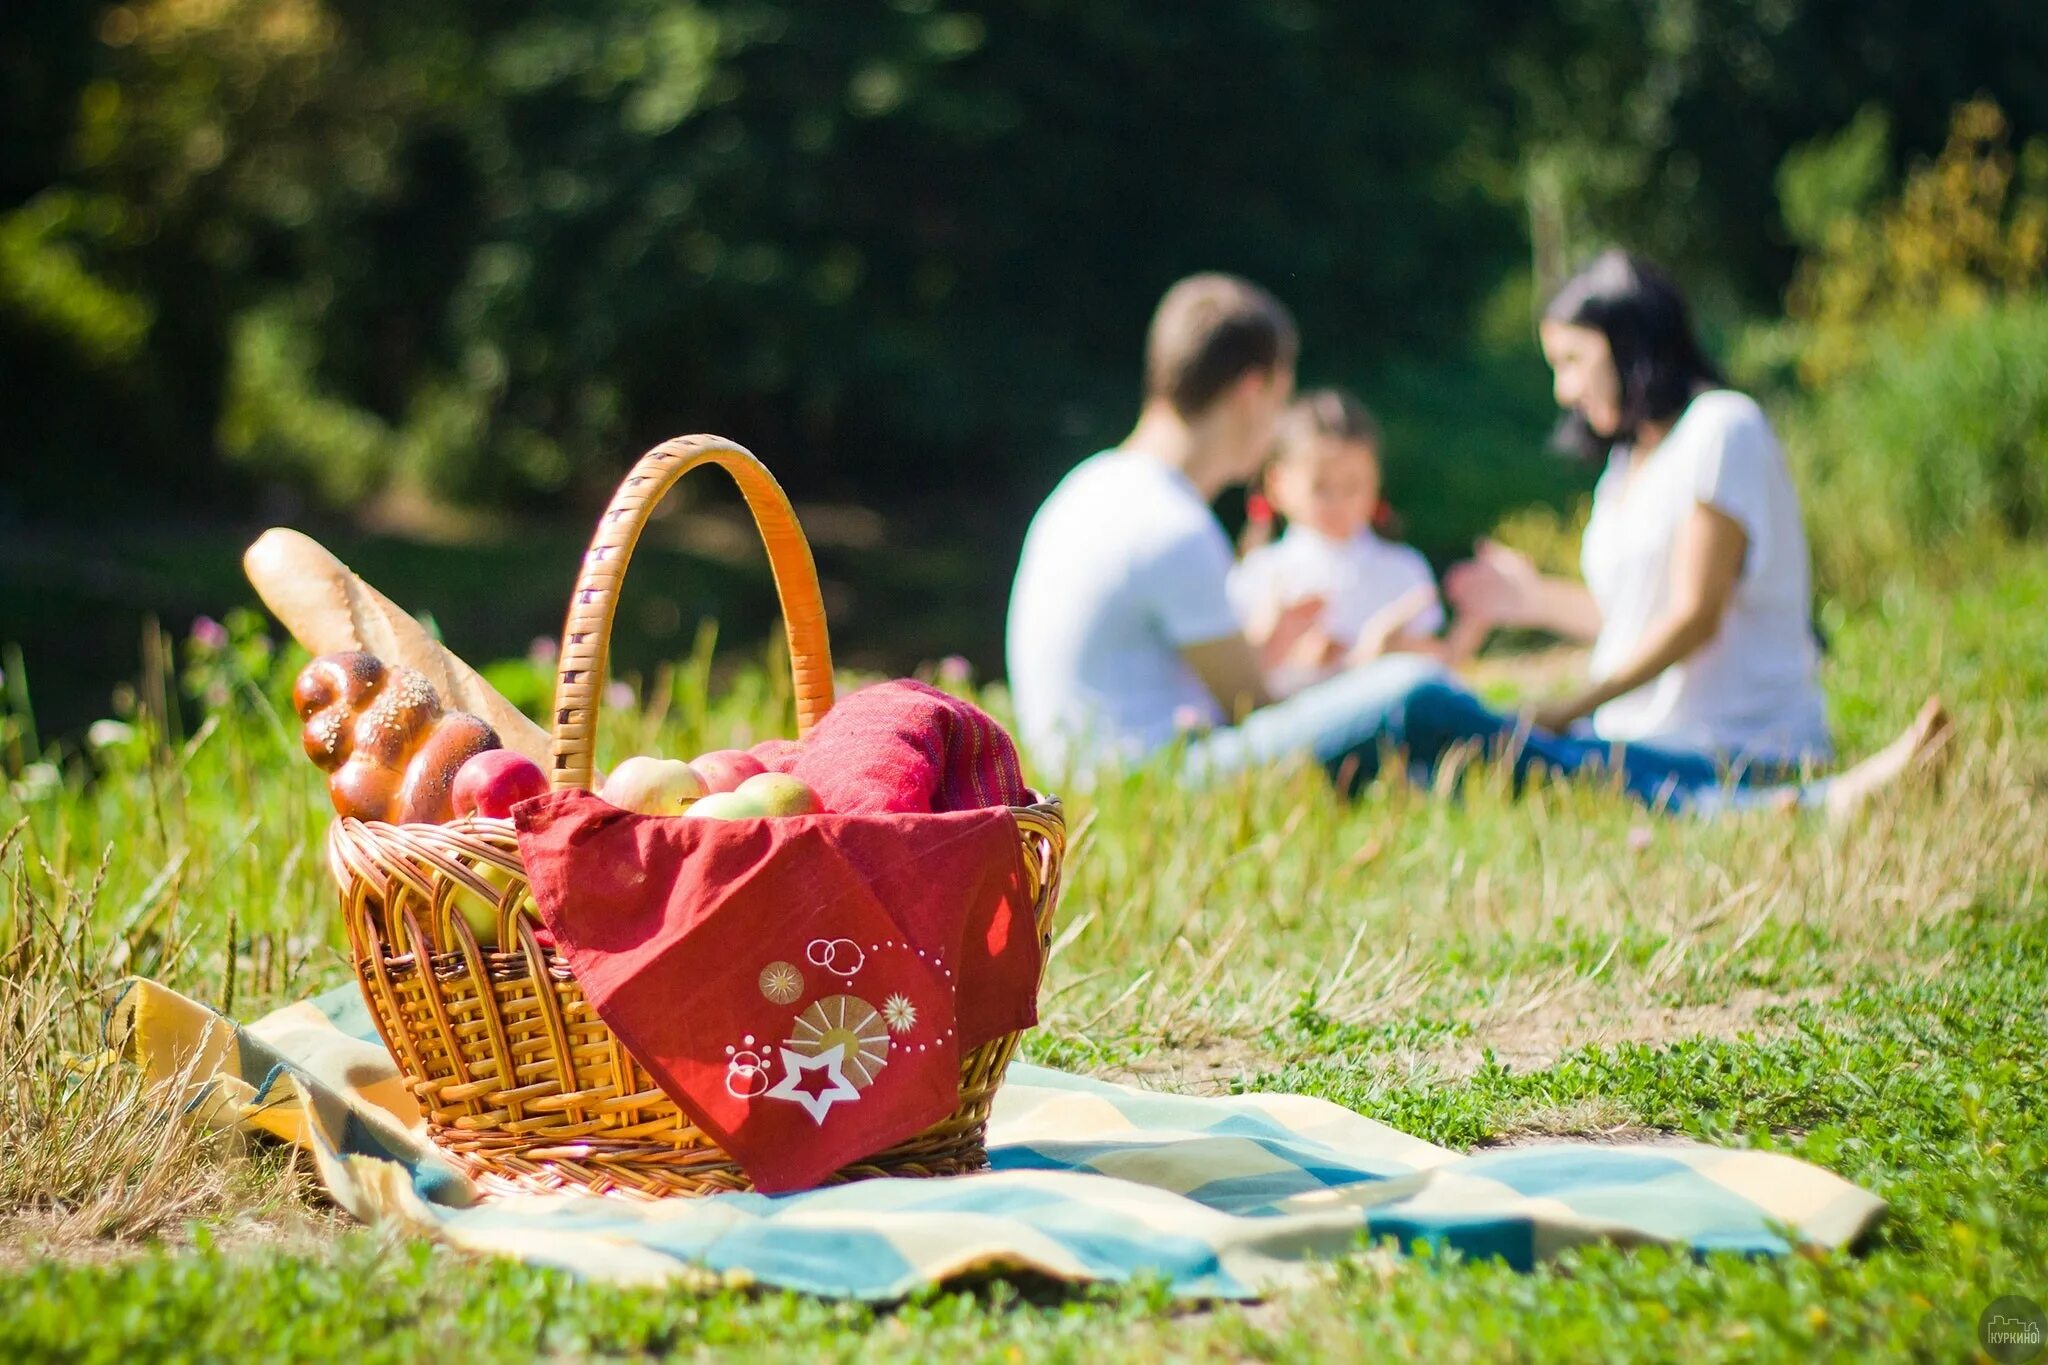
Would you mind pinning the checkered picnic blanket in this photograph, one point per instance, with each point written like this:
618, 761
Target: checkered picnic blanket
1217, 1198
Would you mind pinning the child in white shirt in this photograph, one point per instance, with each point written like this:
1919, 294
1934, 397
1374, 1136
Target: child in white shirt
1379, 597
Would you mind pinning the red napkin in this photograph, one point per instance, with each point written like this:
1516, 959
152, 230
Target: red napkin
802, 987
903, 746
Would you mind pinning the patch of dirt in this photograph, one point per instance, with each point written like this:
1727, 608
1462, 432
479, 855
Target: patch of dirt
30, 1237
1535, 1040
1205, 1068
1523, 1042
1590, 1120
1625, 1135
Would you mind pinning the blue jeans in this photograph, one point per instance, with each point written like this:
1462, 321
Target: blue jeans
1409, 705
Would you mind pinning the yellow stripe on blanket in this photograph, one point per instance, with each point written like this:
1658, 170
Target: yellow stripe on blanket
1030, 1114
1325, 1122
1185, 1162
302, 1032
1823, 1205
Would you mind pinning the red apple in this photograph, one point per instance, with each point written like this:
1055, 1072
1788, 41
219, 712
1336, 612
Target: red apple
493, 782
779, 794
724, 769
653, 786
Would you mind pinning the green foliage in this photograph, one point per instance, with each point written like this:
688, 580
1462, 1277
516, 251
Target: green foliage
1660, 126
275, 418
1464, 444
44, 278
482, 252
1918, 337
1835, 178
1965, 230
1938, 444
1549, 537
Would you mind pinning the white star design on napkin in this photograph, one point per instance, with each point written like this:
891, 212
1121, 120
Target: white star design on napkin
816, 1104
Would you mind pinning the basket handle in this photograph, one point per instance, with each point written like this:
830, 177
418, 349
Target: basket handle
587, 634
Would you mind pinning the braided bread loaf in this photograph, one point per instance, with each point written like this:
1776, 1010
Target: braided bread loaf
329, 610
389, 750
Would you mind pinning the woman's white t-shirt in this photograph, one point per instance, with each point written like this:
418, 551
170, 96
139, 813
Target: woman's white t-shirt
1751, 691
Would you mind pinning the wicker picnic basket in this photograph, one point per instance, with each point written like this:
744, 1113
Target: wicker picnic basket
518, 1079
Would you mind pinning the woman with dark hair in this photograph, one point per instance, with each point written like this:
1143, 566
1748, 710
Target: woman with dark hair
1702, 688
1697, 599
1658, 363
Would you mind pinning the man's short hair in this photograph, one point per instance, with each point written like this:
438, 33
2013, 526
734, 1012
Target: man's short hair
1208, 332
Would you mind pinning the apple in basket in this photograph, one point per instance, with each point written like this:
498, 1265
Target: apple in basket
764, 794
724, 769
779, 794
483, 914
493, 782
653, 786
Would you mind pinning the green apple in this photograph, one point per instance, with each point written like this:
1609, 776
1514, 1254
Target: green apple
653, 786
483, 914
779, 794
726, 806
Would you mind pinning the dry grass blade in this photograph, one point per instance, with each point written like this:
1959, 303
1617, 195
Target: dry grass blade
94, 1150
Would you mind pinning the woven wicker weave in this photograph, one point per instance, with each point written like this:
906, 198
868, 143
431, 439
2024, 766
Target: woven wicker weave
517, 1077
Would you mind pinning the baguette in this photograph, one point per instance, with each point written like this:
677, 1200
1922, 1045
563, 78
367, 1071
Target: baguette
331, 611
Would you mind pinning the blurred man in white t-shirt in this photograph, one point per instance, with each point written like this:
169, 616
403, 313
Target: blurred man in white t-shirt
1121, 632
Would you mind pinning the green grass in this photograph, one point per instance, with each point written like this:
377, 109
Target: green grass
1868, 999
